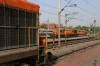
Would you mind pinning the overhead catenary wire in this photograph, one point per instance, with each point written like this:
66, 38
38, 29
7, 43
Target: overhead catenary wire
50, 17
92, 5
56, 14
51, 13
54, 7
85, 10
66, 5
81, 18
88, 12
47, 5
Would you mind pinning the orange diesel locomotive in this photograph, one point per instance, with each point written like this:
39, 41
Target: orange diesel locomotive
68, 32
19, 35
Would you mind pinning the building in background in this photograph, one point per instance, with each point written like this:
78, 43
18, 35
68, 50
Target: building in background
51, 25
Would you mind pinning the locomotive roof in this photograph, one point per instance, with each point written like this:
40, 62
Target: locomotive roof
22, 4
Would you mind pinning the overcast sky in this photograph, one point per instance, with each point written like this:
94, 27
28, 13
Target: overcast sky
88, 11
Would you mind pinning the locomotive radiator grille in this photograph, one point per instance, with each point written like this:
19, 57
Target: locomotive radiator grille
29, 19
14, 38
13, 17
2, 38
34, 20
2, 23
33, 37
22, 18
22, 37
7, 16
14, 24
8, 38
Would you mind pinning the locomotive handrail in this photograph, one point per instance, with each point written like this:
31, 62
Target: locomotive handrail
29, 39
29, 36
46, 43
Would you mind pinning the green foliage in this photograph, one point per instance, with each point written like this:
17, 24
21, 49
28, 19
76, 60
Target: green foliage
70, 27
62, 27
91, 30
43, 26
78, 27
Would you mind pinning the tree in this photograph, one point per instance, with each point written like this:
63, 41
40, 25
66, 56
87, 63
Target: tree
43, 26
78, 27
70, 27
62, 27
97, 29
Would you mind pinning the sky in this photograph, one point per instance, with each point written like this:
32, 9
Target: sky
87, 11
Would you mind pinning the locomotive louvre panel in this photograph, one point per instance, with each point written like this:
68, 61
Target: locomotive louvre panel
29, 22
22, 40
26, 35
21, 18
2, 38
33, 36
13, 17
16, 22
8, 38
2, 23
7, 16
14, 27
34, 17
14, 37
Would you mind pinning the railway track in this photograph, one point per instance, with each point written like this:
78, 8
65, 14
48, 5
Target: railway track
74, 46
54, 44
62, 57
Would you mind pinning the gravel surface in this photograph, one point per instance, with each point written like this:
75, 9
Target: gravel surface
70, 48
90, 57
